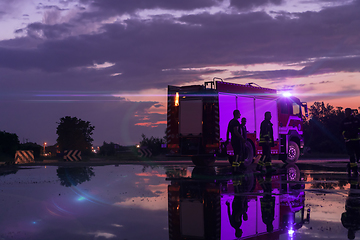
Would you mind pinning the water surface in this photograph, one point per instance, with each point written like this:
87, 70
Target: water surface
174, 202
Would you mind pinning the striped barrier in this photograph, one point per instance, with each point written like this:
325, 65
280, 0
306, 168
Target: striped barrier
72, 155
144, 152
24, 156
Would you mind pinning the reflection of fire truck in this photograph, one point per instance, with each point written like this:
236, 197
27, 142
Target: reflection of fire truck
199, 207
198, 116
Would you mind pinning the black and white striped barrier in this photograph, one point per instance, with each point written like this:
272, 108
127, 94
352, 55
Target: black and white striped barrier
24, 156
144, 152
72, 155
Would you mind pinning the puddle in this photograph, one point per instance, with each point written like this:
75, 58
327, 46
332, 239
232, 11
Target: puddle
176, 202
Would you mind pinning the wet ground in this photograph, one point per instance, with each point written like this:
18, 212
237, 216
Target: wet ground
175, 200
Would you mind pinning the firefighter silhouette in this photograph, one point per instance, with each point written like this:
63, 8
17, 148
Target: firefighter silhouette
266, 142
350, 128
237, 139
239, 205
350, 218
243, 132
267, 202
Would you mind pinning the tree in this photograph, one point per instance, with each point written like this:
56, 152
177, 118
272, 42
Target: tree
322, 129
110, 149
74, 134
153, 144
9, 143
32, 146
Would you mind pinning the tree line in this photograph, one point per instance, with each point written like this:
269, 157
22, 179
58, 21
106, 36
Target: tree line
322, 128
73, 134
9, 144
321, 134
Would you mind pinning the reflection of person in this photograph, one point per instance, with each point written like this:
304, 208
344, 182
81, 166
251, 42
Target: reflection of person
236, 138
350, 219
267, 202
243, 132
266, 141
239, 206
350, 128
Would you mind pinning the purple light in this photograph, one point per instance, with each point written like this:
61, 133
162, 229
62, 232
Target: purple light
287, 94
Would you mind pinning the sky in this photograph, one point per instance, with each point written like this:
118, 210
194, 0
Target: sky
110, 62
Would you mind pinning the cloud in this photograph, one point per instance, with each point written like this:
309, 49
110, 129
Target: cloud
102, 234
334, 95
129, 6
2, 13
246, 38
48, 31
249, 4
151, 120
7, 6
50, 7
142, 49
280, 74
140, 53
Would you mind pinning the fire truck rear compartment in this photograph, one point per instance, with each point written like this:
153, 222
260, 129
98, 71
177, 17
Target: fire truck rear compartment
190, 120
190, 126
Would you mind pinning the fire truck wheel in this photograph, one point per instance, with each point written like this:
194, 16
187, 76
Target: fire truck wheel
292, 172
293, 152
249, 154
202, 161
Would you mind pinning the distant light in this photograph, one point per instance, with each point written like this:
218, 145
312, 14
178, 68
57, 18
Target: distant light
287, 94
291, 232
138, 146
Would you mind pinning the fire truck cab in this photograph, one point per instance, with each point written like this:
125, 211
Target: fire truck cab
198, 117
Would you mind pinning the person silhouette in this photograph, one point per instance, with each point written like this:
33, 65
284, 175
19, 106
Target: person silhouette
234, 128
266, 142
350, 130
350, 218
267, 202
243, 132
239, 205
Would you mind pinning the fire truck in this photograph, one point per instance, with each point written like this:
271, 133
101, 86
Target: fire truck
198, 117
205, 205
